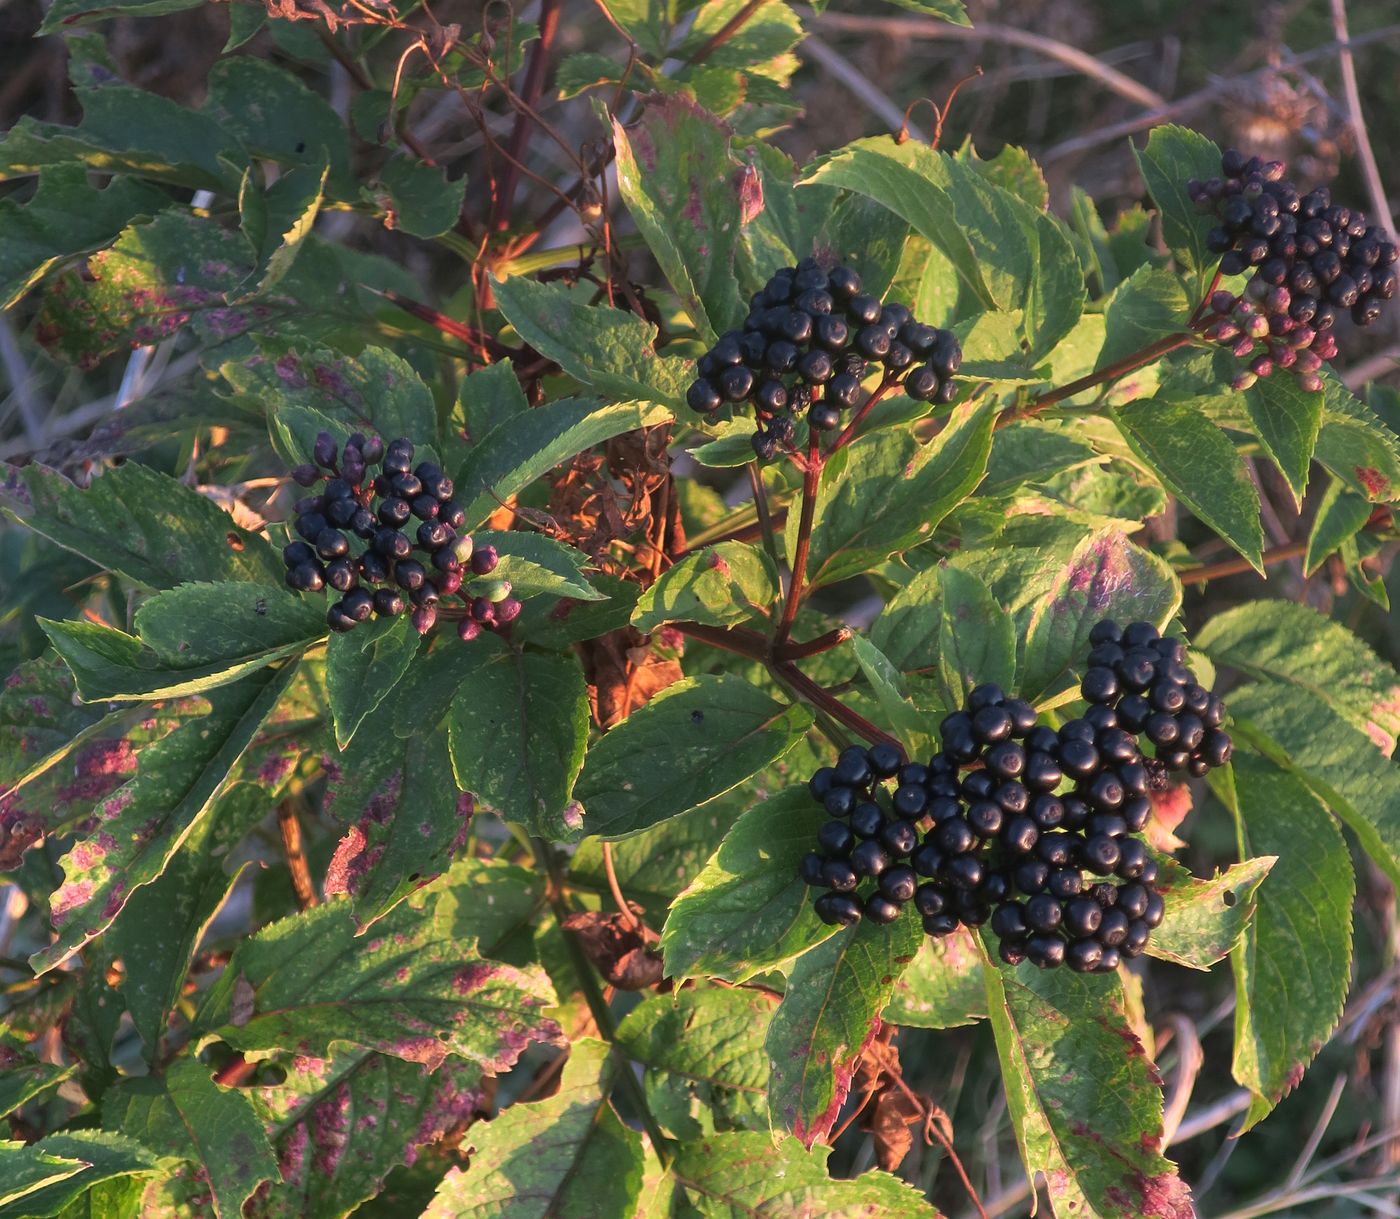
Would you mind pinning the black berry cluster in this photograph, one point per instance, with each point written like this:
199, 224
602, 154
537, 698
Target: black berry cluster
810, 339
1144, 680
391, 573
1311, 258
1018, 825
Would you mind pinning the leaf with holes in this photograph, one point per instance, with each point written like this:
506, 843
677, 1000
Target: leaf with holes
1205, 918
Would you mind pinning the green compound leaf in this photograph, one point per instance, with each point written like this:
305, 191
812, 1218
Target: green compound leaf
717, 729
612, 351
214, 1128
536, 565
518, 730
66, 216
742, 1175
410, 988
277, 223
748, 910
109, 665
719, 586
341, 1124
1204, 918
976, 637
47, 1177
593, 1166
891, 493
140, 524
523, 447
689, 197
1106, 577
144, 822
703, 1050
1285, 642
1293, 965
1085, 1102
1173, 156
1341, 515
1287, 420
362, 667
942, 988
1147, 306
1337, 762
403, 815
1356, 445
829, 1014
208, 624
25, 1077
1198, 464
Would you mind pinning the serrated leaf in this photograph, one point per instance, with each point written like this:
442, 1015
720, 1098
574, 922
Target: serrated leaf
375, 391
1339, 764
612, 351
362, 667
907, 630
714, 730
742, 1175
140, 524
942, 987
951, 11
594, 1165
111, 666
144, 822
162, 923
748, 910
24, 1076
1285, 642
891, 492
410, 989
976, 640
1287, 419
415, 198
907, 180
704, 1048
689, 197
1356, 445
1085, 1102
483, 900
829, 1014
1147, 306
903, 718
1204, 918
1293, 965
215, 1128
1055, 296
1106, 577
1341, 514
720, 586
341, 1124
486, 398
518, 730
65, 216
520, 449
40, 719
1173, 156
287, 213
203, 624
1200, 466
45, 1177
535, 565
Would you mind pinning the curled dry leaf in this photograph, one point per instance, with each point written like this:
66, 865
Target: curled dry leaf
625, 954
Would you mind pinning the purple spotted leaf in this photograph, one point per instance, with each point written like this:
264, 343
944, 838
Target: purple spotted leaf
593, 1164
403, 819
409, 988
1085, 1100
685, 189
829, 1014
142, 824
339, 1125
1107, 576
186, 1114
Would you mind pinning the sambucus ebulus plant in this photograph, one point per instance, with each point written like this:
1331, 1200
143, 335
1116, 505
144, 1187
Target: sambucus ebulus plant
685, 865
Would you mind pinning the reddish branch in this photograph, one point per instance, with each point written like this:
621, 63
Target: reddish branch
531, 92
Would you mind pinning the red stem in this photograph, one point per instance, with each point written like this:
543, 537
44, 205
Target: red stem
530, 93
824, 700
1120, 368
859, 417
811, 480
814, 647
